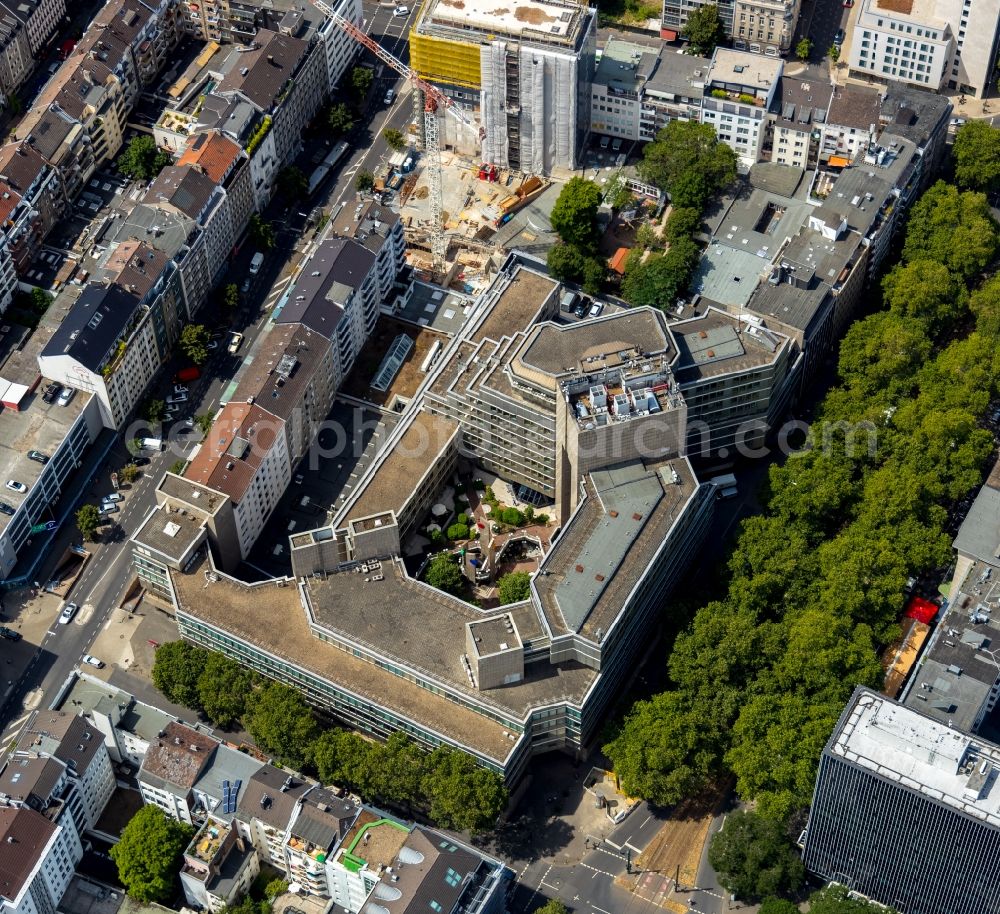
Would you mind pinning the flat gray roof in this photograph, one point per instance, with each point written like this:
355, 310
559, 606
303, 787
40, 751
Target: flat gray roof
169, 532
931, 758
728, 275
89, 694
716, 343
439, 309
979, 535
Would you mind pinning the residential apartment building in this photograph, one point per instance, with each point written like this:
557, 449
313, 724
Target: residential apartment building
8, 276
905, 810
32, 200
38, 873
675, 90
59, 761
380, 230
40, 19
337, 294
739, 90
219, 867
16, 60
928, 43
852, 124
188, 773
116, 336
528, 84
765, 27
65, 143
798, 114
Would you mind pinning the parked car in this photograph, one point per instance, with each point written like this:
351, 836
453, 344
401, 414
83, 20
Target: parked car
90, 660
175, 399
51, 392
401, 11
16, 486
38, 457
6, 509
838, 39
596, 309
212, 344
390, 95
9, 634
256, 262
245, 285
140, 461
66, 616
108, 507
113, 497
65, 396
180, 389
191, 373
235, 340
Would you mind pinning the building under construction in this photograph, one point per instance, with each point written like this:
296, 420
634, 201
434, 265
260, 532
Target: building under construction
524, 69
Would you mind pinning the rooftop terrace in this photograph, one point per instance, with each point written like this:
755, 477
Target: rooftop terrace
372, 842
549, 21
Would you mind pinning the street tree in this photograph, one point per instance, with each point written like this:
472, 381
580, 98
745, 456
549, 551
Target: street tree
40, 301
394, 139
444, 574
977, 156
400, 770
754, 858
223, 688
194, 342
88, 519
778, 906
291, 183
364, 181
834, 52
281, 723
661, 279
262, 232
141, 159
128, 473
177, 669
552, 906
514, 587
594, 274
230, 297
153, 409
345, 758
574, 215
204, 422
463, 795
803, 49
704, 30
682, 223
149, 853
340, 120
361, 82
926, 290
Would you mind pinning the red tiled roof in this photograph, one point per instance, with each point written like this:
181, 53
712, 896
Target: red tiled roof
9, 198
213, 152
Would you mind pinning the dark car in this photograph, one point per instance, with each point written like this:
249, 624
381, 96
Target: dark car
38, 457
51, 392
6, 509
140, 461
9, 633
838, 39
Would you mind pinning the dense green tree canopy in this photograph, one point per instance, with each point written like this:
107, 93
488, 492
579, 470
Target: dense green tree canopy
149, 855
514, 587
141, 159
281, 723
754, 857
836, 899
224, 688
574, 215
704, 29
977, 156
177, 669
462, 795
262, 233
687, 161
444, 574
194, 342
88, 520
291, 184
778, 906
340, 120
552, 906
661, 279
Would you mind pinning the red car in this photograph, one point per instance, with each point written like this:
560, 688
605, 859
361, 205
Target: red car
191, 373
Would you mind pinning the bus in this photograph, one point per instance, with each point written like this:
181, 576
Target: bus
323, 169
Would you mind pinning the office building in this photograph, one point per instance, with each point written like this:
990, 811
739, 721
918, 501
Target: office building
739, 91
759, 26
928, 43
523, 72
675, 89
905, 810
617, 90
38, 861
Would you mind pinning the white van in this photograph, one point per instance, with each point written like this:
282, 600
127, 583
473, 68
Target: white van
151, 444
256, 263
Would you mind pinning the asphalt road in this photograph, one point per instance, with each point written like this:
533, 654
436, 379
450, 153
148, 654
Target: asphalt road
819, 21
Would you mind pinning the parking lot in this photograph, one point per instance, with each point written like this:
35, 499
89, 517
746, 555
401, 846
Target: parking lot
328, 473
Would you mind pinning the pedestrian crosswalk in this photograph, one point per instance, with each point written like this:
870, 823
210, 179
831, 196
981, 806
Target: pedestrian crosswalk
277, 290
